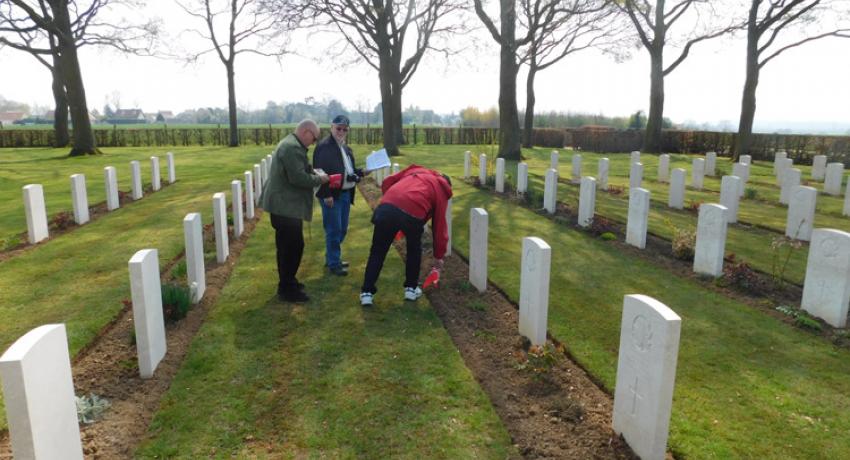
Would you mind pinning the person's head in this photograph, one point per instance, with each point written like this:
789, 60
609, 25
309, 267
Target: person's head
307, 132
339, 128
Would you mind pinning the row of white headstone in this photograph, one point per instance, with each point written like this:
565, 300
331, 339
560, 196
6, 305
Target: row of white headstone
36, 209
36, 370
383, 173
649, 341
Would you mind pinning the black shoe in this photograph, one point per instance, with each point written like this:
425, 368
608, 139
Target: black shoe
344, 264
294, 296
338, 271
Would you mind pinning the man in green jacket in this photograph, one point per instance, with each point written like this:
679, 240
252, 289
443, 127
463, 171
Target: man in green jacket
288, 198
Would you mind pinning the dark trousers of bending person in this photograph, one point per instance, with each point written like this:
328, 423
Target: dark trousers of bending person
388, 221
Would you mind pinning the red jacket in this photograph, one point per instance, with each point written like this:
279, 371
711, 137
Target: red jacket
424, 194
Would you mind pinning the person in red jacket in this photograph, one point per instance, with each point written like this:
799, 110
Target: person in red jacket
411, 198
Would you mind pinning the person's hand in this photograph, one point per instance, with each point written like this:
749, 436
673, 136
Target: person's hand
323, 177
329, 201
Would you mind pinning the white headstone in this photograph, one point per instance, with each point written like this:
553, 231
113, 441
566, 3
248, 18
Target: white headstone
156, 181
730, 187
576, 170
664, 168
236, 208
745, 159
478, 226
742, 171
500, 175
638, 220
554, 158
636, 175
790, 180
467, 164
778, 158
819, 167
258, 184
80, 198
711, 240
147, 310
39, 394
172, 173
268, 166
550, 191
698, 173
801, 212
136, 190
646, 375
834, 176
222, 242
522, 177
36, 213
264, 171
635, 158
482, 169
397, 168
586, 201
449, 227
604, 165
193, 237
110, 179
846, 210
826, 292
710, 163
784, 165
249, 195
534, 289
677, 189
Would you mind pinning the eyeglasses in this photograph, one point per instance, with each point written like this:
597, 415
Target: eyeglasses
341, 129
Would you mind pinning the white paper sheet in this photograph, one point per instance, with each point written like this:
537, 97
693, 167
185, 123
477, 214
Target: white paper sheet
377, 160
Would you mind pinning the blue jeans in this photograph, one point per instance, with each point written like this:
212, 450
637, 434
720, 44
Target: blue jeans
335, 221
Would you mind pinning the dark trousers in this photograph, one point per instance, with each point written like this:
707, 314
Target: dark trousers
388, 220
289, 239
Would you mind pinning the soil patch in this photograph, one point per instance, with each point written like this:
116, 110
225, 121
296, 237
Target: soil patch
561, 414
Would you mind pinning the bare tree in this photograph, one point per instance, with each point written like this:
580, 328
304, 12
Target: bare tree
767, 22
652, 22
58, 28
557, 30
235, 27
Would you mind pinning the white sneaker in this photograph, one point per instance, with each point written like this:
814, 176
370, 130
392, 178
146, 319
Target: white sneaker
366, 299
412, 293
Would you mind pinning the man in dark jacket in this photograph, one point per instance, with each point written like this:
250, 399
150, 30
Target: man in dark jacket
333, 156
411, 198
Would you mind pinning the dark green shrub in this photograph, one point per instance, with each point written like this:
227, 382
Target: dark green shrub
176, 301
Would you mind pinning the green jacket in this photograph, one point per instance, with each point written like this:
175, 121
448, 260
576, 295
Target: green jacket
289, 190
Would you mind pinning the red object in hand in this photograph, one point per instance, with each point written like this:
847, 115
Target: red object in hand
399, 235
433, 278
335, 181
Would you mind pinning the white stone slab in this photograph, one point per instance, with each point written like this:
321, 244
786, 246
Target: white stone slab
258, 184
801, 212
264, 171
745, 159
554, 159
236, 208
586, 201
222, 241
147, 310
710, 163
467, 164
635, 158
156, 178
249, 195
576, 168
534, 289
730, 188
646, 375
846, 210
110, 179
550, 191
676, 197
36, 213
635, 175
38, 390
268, 166
834, 177
379, 176
778, 158
478, 227
711, 240
743, 173
482, 169
638, 219
604, 166
500, 175
826, 291
449, 227
193, 237
697, 173
790, 180
80, 199
172, 173
784, 165
522, 177
396, 168
664, 168
819, 167
136, 190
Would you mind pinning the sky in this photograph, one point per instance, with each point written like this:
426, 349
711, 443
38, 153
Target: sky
803, 86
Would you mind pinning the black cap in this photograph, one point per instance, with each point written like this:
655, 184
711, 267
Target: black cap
340, 120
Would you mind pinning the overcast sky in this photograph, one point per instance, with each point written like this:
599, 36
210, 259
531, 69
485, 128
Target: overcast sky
804, 85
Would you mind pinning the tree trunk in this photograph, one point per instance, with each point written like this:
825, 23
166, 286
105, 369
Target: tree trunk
509, 142
652, 141
528, 132
390, 82
743, 142
60, 113
231, 103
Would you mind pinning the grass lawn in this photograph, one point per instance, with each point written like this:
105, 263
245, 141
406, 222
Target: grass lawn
326, 378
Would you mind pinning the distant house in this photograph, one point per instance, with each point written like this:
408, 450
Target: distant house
164, 116
127, 116
7, 118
